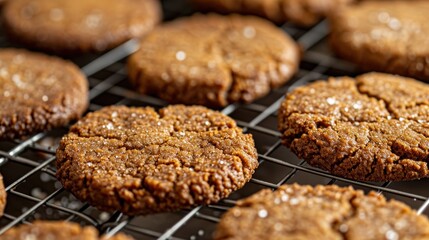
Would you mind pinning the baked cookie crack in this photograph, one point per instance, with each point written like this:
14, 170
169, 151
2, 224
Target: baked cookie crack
371, 128
141, 161
213, 60
321, 212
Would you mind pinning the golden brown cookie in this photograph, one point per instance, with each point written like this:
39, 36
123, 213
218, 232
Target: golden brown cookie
49, 230
67, 27
387, 36
372, 128
302, 12
140, 161
321, 212
213, 60
38, 92
2, 196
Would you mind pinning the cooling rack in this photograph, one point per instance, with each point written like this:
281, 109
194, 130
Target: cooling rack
28, 166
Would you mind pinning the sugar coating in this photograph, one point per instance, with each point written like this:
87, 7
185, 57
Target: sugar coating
385, 36
38, 92
321, 212
213, 60
140, 161
377, 130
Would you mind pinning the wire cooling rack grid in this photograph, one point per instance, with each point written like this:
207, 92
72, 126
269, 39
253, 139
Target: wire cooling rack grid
28, 166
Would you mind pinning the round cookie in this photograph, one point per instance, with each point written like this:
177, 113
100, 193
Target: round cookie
47, 230
2, 196
301, 12
67, 27
372, 128
38, 92
213, 60
321, 212
140, 161
386, 36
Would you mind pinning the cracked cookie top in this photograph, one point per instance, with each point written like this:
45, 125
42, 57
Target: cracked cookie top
213, 60
321, 212
38, 92
140, 161
372, 128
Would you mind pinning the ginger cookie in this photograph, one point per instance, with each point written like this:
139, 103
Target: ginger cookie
68, 27
372, 128
213, 60
301, 12
2, 196
385, 36
321, 212
48, 230
140, 161
38, 92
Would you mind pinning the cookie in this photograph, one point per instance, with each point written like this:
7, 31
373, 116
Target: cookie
301, 12
140, 161
67, 27
38, 92
47, 230
2, 196
321, 212
213, 60
372, 128
385, 36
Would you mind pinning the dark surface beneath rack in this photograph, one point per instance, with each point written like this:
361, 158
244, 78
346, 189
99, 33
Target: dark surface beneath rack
28, 166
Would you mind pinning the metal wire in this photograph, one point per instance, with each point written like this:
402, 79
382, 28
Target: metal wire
29, 172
